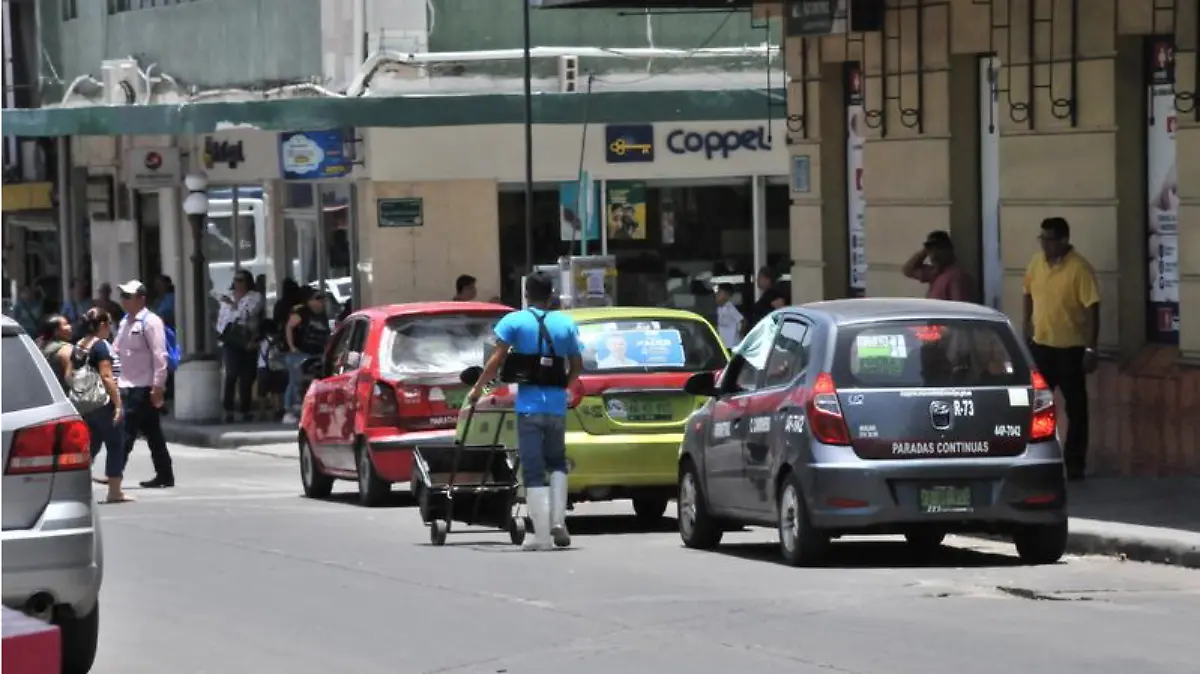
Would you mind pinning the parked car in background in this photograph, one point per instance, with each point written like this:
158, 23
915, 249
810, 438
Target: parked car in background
50, 547
389, 381
876, 416
628, 409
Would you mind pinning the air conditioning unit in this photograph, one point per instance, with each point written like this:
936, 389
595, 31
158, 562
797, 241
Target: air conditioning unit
814, 18
123, 83
568, 74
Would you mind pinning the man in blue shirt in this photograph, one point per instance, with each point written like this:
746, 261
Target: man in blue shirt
541, 410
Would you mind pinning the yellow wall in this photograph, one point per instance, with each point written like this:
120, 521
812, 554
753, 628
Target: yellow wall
460, 235
1053, 169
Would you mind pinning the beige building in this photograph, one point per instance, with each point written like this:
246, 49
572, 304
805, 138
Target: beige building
1071, 137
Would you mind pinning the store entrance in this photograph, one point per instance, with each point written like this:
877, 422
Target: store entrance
319, 240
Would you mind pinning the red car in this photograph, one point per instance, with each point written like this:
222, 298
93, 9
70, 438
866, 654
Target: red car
389, 381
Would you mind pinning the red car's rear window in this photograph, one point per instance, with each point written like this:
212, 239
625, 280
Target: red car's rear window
442, 344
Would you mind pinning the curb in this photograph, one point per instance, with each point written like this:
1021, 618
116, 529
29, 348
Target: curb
219, 438
1135, 543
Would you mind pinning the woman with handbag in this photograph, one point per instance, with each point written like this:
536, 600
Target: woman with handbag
105, 421
238, 326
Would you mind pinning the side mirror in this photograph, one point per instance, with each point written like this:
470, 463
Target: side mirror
471, 375
701, 384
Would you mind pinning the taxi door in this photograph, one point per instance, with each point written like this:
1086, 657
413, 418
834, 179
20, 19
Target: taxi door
342, 394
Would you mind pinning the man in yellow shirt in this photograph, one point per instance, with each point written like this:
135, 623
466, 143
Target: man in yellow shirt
1062, 324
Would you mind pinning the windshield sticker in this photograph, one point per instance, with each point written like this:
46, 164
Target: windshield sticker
881, 346
868, 431
939, 448
616, 349
794, 423
937, 393
1018, 397
760, 424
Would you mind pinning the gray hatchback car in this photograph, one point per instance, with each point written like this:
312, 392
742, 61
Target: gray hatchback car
50, 547
876, 416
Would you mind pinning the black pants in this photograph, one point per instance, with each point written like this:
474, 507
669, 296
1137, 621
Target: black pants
142, 418
241, 366
1063, 370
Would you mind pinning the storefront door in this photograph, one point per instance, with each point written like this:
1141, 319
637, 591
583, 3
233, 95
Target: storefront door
318, 240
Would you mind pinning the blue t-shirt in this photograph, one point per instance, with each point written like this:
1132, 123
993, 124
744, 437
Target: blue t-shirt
519, 330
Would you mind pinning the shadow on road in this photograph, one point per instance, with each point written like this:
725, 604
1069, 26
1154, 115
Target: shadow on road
878, 554
396, 499
603, 525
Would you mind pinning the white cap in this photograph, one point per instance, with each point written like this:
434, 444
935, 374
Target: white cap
132, 287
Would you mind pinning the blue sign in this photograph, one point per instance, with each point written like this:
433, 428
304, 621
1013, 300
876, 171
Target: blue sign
313, 155
628, 143
713, 143
615, 349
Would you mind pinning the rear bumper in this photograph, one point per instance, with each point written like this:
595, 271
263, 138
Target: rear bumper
62, 561
622, 461
850, 495
393, 454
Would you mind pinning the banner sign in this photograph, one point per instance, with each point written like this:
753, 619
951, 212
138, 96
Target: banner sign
1163, 226
856, 196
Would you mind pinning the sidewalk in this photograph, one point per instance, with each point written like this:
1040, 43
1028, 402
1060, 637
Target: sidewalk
228, 436
1144, 519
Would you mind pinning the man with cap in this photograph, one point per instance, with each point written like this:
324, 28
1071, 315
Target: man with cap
541, 410
936, 265
141, 342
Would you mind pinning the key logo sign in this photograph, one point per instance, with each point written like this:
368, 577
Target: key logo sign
628, 143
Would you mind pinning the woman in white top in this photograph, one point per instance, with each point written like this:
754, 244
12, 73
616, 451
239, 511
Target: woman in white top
238, 325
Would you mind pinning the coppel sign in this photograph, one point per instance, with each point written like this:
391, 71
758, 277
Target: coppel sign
717, 143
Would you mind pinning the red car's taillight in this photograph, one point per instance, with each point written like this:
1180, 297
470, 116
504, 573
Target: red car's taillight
1044, 425
383, 410
52, 447
825, 413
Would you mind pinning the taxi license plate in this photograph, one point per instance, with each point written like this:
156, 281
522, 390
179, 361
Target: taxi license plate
455, 398
945, 499
648, 410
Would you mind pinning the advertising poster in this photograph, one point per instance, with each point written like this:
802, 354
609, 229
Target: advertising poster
1163, 227
856, 206
575, 207
626, 210
614, 349
313, 155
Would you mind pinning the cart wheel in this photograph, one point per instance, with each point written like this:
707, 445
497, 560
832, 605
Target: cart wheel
437, 531
516, 530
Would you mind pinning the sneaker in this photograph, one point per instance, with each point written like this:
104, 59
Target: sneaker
158, 483
290, 419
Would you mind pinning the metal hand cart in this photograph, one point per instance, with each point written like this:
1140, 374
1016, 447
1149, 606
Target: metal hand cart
490, 500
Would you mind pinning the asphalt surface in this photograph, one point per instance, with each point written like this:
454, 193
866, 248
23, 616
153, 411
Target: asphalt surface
233, 571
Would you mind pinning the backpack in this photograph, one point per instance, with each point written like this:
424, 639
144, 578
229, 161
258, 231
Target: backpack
86, 388
173, 353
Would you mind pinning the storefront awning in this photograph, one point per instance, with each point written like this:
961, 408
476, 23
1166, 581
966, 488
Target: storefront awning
310, 114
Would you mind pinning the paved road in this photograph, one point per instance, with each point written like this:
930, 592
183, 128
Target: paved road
234, 572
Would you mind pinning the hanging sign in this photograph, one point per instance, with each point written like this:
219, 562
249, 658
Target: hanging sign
313, 155
856, 196
1163, 225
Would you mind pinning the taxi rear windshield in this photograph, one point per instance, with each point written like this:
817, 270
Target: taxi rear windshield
444, 344
925, 354
650, 345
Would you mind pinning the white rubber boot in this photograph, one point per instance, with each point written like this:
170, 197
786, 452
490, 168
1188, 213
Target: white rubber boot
558, 510
537, 501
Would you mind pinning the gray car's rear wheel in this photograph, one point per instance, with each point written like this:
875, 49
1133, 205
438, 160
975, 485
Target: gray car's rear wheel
316, 484
372, 489
799, 542
697, 527
79, 635
1041, 543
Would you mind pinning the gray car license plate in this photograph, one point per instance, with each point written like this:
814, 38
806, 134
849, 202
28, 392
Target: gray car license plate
945, 499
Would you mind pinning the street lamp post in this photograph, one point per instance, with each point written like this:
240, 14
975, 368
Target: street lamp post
528, 139
195, 205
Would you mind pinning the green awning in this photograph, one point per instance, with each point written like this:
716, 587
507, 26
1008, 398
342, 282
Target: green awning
304, 114
645, 4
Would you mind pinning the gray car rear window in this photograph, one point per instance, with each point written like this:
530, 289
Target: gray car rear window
24, 387
931, 353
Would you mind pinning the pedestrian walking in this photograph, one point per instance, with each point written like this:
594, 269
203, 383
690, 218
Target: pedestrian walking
540, 349
936, 265
141, 343
238, 325
729, 319
1062, 324
107, 423
54, 339
774, 294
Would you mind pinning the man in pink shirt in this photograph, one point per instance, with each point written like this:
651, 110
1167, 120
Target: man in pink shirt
937, 265
141, 342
